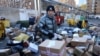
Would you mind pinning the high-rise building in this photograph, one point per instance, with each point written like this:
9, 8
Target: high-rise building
97, 7
90, 6
71, 2
93, 6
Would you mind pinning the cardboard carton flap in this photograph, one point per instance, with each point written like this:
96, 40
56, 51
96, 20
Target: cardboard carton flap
79, 40
51, 44
54, 44
52, 48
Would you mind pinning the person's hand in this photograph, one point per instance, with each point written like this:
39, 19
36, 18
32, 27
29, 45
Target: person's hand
51, 35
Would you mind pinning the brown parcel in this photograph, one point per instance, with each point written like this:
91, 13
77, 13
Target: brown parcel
5, 52
15, 54
80, 52
27, 52
79, 42
96, 50
52, 48
67, 40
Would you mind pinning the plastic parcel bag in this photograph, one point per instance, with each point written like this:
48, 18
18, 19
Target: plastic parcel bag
33, 47
22, 37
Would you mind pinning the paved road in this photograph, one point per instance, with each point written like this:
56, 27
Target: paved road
94, 21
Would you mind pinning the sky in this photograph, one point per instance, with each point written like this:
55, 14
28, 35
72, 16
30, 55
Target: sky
80, 2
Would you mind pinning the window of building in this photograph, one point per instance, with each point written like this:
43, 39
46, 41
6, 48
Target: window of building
30, 3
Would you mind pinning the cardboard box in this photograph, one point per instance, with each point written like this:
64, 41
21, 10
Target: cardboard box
96, 50
87, 54
15, 54
5, 52
92, 40
27, 52
70, 50
80, 52
79, 42
68, 40
90, 49
52, 48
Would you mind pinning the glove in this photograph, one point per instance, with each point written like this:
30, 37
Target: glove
51, 35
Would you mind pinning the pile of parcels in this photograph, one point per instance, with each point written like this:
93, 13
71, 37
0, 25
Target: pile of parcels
20, 42
72, 41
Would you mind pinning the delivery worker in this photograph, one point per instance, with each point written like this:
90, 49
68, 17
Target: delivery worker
82, 24
47, 24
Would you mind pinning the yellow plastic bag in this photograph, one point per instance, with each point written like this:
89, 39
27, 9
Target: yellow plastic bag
71, 22
83, 24
6, 23
22, 37
0, 34
2, 29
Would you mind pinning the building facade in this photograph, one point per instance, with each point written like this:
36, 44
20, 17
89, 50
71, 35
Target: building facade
63, 8
93, 6
28, 4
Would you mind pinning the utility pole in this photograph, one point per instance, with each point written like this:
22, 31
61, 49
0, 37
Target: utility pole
37, 4
36, 9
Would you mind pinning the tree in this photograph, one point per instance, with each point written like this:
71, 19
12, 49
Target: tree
83, 7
